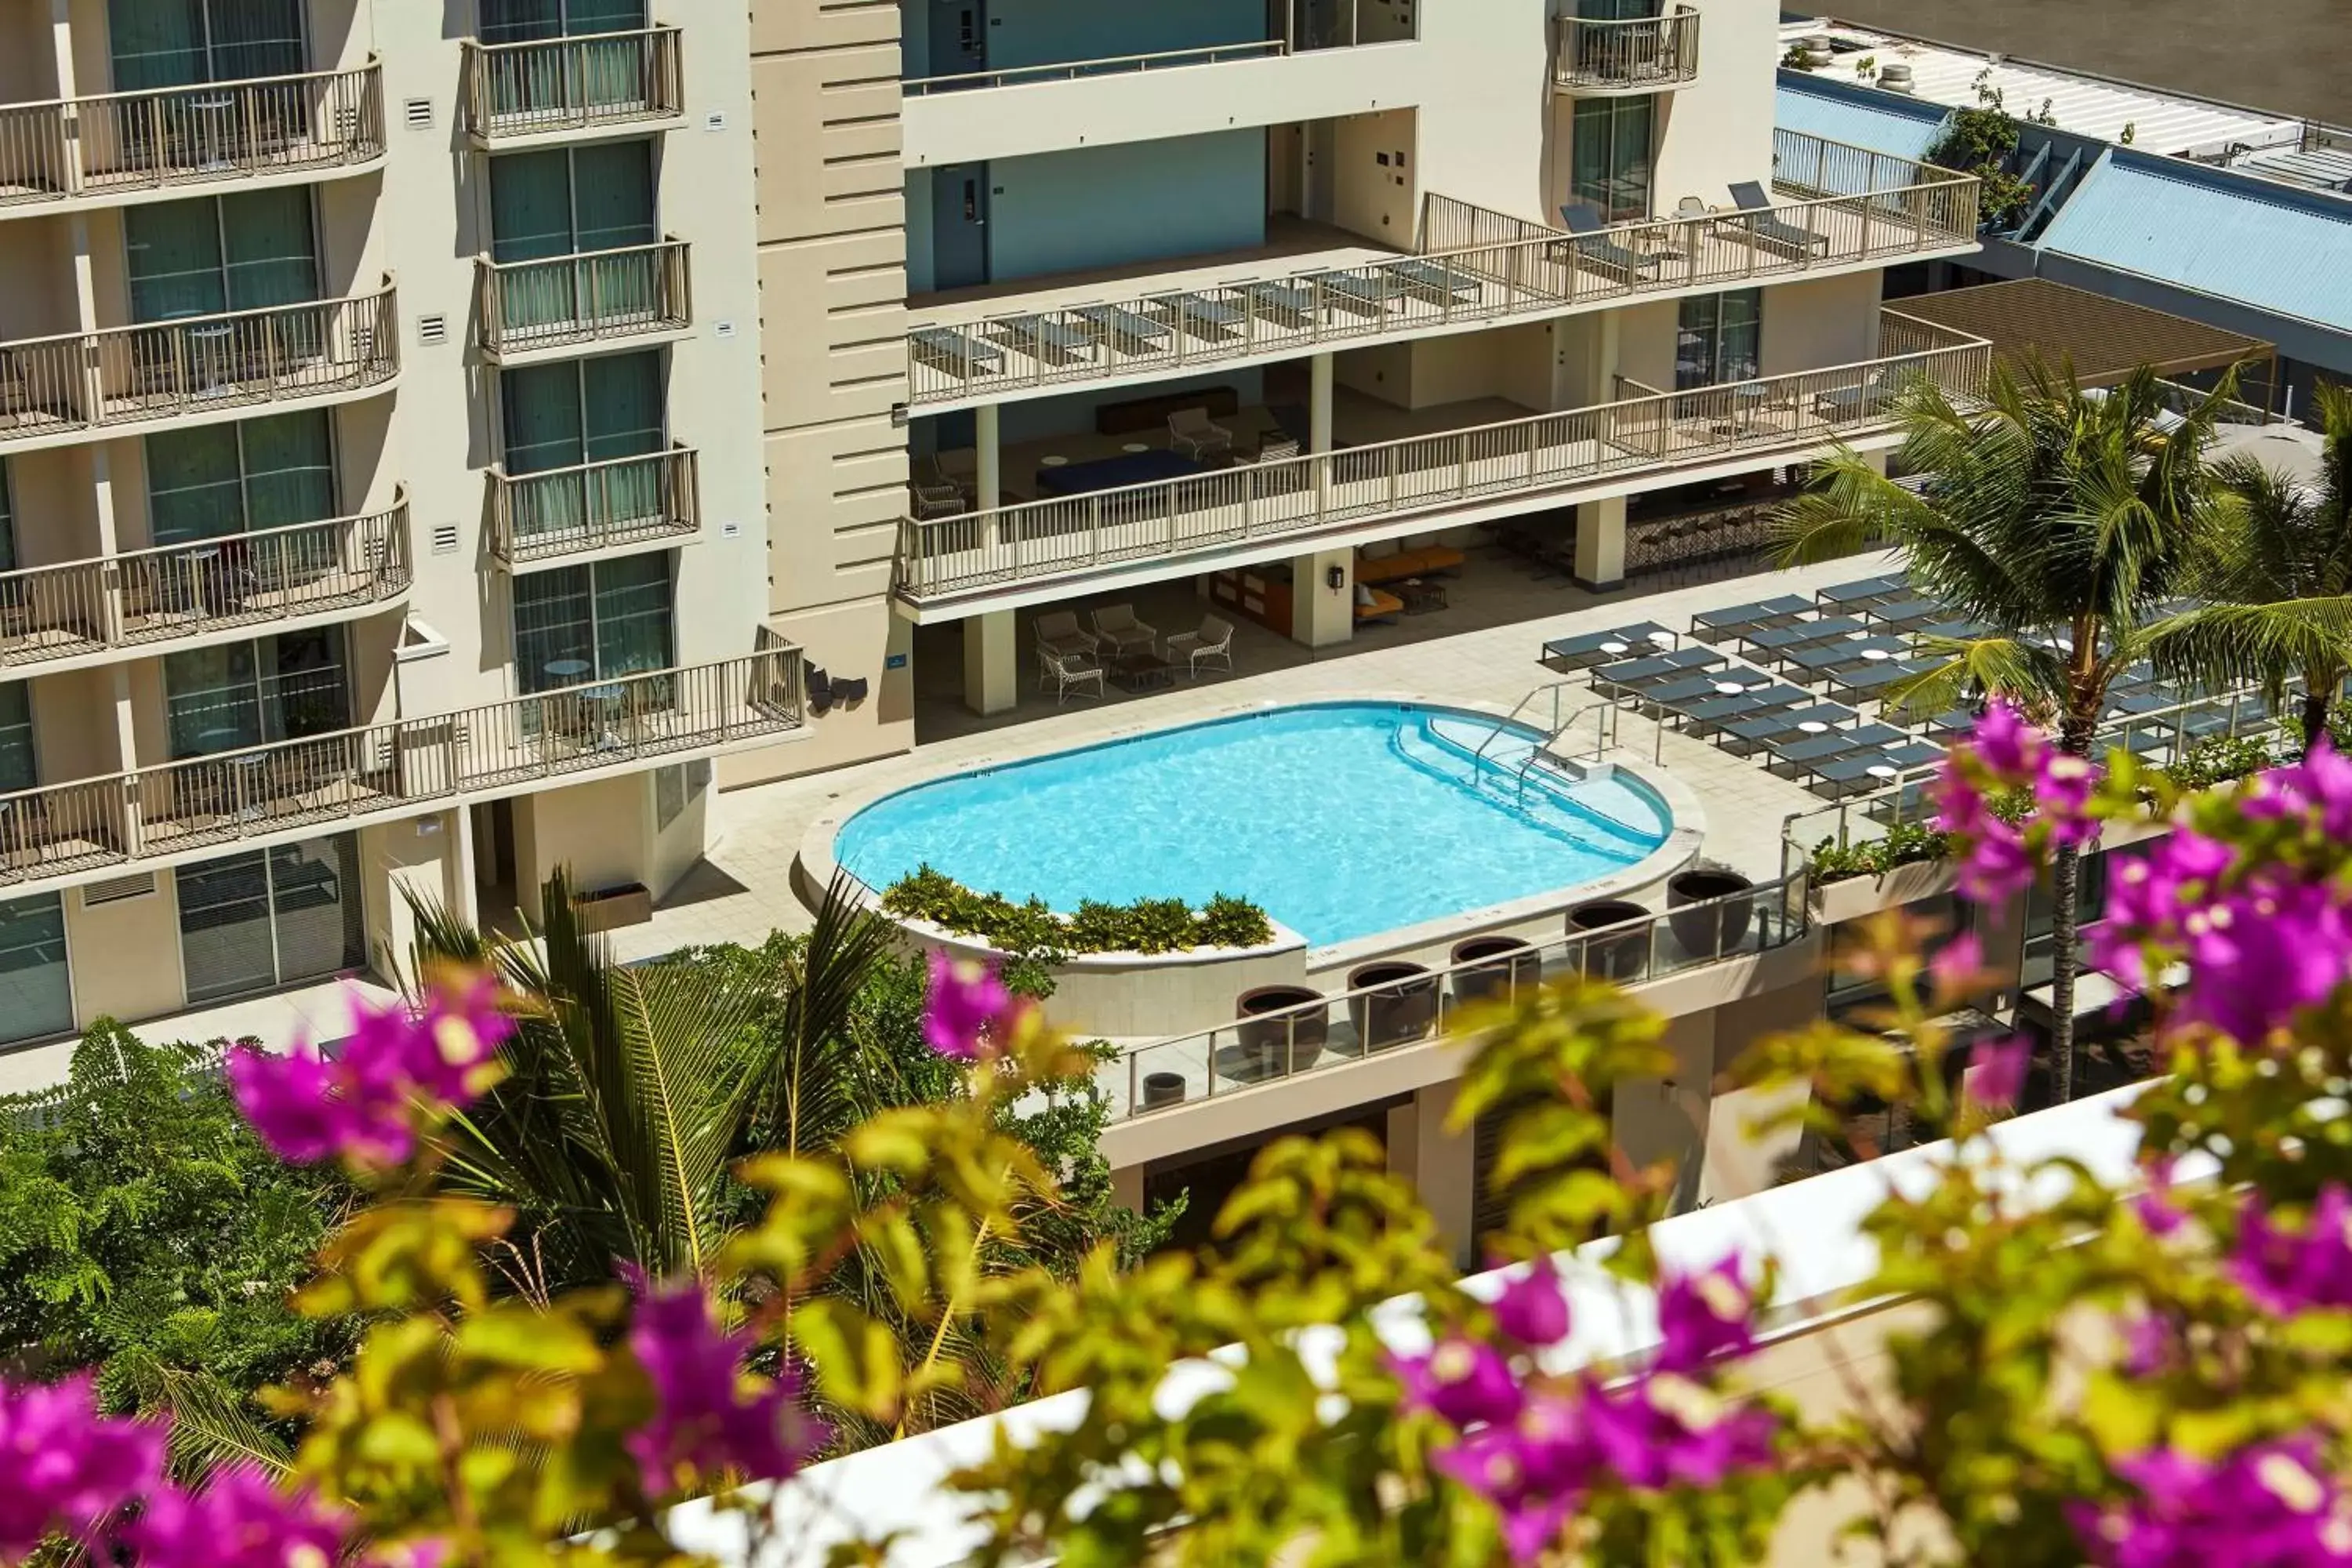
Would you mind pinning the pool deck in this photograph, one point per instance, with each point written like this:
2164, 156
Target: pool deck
743, 889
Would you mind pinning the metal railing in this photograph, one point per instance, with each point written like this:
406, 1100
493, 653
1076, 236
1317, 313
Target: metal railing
1354, 1025
615, 293
570, 84
189, 135
1076, 70
391, 768
161, 370
1474, 264
1432, 473
2184, 399
592, 506
1638, 53
151, 596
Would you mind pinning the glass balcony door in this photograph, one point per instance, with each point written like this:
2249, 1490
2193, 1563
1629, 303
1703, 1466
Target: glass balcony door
580, 412
214, 254
1719, 338
179, 43
578, 624
218, 480
593, 75
568, 201
238, 695
18, 767
1610, 155
526, 21
8, 531
36, 989
270, 917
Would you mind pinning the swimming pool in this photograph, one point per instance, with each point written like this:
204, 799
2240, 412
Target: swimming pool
1340, 819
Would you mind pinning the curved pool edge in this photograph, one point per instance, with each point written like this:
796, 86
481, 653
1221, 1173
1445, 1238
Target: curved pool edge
1096, 993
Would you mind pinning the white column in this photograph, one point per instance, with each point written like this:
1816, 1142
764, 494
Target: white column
465, 896
1320, 615
1319, 403
110, 543
991, 676
1444, 1168
989, 481
1601, 543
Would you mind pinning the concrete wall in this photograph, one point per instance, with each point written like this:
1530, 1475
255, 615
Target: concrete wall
125, 954
1820, 323
418, 855
603, 831
1107, 206
678, 847
1719, 129
1373, 177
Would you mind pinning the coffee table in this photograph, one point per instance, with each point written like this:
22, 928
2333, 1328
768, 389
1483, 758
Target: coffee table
1420, 596
1142, 671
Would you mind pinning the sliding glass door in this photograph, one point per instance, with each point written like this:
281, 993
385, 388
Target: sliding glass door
180, 43
221, 479
578, 624
568, 201
1610, 155
579, 411
522, 21
1719, 338
35, 988
201, 257
240, 695
270, 917
18, 767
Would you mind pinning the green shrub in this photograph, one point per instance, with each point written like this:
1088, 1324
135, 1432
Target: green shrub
1905, 843
1031, 930
2219, 759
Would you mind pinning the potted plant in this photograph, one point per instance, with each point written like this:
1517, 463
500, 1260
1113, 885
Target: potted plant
1621, 957
1394, 1002
1703, 909
1493, 968
1281, 1031
1162, 1088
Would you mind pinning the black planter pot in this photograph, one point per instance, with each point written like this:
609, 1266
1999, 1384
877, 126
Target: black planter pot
1400, 1003
1620, 957
1282, 1030
1717, 928
1162, 1088
1492, 968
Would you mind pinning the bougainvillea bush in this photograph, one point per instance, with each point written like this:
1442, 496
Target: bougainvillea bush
2143, 1375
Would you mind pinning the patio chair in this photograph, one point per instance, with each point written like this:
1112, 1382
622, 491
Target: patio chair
1191, 433
1059, 630
936, 494
1214, 640
1755, 217
1593, 244
1116, 625
1067, 673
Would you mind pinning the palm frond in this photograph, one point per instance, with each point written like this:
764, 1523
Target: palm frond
2025, 672
213, 1429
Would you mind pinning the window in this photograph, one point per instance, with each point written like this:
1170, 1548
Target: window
520, 21
18, 767
35, 988
568, 201
581, 411
1615, 10
220, 480
581, 622
270, 917
175, 43
1609, 155
7, 533
1719, 338
245, 694
200, 257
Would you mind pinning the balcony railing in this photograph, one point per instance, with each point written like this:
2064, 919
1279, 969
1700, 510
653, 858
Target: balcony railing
385, 770
190, 135
1434, 473
197, 364
185, 589
1476, 265
1077, 70
572, 84
619, 293
595, 506
1633, 54
1358, 1025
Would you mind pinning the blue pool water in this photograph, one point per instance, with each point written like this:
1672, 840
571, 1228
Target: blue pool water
1340, 819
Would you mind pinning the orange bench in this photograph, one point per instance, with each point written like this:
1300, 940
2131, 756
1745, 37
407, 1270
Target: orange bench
1425, 562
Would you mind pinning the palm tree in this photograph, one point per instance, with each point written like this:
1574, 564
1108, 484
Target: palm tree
2277, 564
629, 1089
2066, 522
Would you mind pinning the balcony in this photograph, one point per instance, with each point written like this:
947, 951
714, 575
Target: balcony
385, 771
551, 86
593, 508
1443, 479
198, 366
183, 592
1841, 208
523, 307
119, 145
1599, 58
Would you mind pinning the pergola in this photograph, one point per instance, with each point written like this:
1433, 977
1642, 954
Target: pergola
2103, 340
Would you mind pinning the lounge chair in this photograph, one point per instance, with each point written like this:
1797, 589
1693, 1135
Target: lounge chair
1059, 630
1213, 641
1192, 433
1566, 654
1593, 243
1755, 217
1116, 625
1067, 673
1439, 285
1373, 604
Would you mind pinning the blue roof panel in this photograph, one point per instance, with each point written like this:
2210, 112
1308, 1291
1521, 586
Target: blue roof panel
2270, 246
1862, 116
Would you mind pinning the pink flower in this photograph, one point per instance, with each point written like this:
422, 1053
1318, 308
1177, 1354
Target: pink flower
2005, 743
2263, 956
968, 1012
1705, 1316
711, 1418
65, 1469
2289, 1271
2154, 1205
1997, 867
1663, 1431
241, 1520
1532, 1308
1997, 1069
1462, 1380
2269, 1505
2062, 789
1959, 965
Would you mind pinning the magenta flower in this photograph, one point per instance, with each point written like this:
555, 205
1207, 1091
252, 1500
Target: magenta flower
1705, 1316
2262, 955
1957, 966
1462, 1380
1664, 1431
2154, 1205
2008, 746
1997, 867
1997, 1069
241, 1520
1532, 1308
2289, 1271
1493, 1463
968, 1013
2318, 787
65, 1469
2270, 1505
710, 1419
2062, 789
